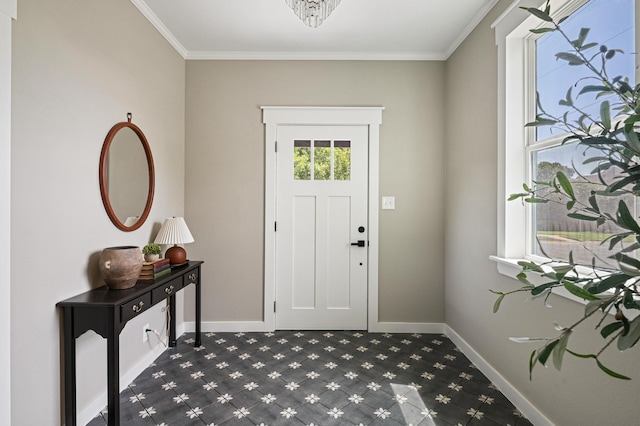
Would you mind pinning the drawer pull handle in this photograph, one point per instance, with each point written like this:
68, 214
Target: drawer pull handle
169, 289
192, 277
137, 307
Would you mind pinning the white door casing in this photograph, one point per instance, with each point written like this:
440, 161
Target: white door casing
371, 117
321, 278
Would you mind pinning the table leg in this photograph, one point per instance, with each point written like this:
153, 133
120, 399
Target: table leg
172, 321
198, 314
69, 368
113, 372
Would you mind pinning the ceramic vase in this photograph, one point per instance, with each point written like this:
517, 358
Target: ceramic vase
120, 266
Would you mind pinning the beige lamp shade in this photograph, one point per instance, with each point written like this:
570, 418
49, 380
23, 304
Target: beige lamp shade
175, 231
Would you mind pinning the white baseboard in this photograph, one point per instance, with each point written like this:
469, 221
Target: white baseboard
261, 326
407, 327
228, 327
89, 412
508, 390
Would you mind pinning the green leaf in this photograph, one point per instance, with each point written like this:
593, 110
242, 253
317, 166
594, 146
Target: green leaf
594, 203
592, 306
541, 122
579, 291
570, 204
607, 330
522, 277
532, 363
542, 30
582, 217
571, 58
516, 196
565, 184
584, 32
530, 266
559, 350
600, 365
608, 283
611, 372
594, 88
496, 305
605, 114
625, 219
632, 141
535, 200
542, 287
629, 339
546, 351
539, 14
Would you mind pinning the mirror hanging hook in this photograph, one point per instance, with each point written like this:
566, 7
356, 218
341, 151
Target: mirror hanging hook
129, 116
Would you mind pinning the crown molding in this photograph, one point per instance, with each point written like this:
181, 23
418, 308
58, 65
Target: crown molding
316, 56
489, 4
162, 29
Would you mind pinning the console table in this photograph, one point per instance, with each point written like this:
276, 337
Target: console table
106, 312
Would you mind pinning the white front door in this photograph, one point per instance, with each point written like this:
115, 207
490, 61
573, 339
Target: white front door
321, 227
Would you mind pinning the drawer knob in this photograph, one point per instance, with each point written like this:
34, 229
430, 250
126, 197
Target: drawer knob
137, 307
192, 277
169, 289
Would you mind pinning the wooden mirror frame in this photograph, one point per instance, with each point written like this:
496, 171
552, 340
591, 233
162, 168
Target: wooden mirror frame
102, 173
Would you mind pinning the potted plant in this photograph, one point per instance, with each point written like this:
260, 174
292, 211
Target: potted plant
151, 252
612, 141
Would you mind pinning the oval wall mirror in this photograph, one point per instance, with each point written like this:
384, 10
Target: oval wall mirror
127, 178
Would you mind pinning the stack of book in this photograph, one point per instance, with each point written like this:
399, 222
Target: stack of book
152, 271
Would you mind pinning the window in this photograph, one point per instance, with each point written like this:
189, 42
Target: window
526, 65
551, 234
331, 160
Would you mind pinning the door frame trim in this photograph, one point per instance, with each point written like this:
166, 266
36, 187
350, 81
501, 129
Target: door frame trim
272, 117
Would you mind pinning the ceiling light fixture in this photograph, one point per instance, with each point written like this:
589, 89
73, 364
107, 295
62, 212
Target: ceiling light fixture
313, 12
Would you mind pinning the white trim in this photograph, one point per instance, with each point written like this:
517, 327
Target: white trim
407, 327
98, 404
479, 16
317, 56
7, 12
530, 411
272, 117
9, 8
162, 29
229, 327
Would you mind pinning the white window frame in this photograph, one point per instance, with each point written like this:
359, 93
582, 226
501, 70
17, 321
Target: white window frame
514, 69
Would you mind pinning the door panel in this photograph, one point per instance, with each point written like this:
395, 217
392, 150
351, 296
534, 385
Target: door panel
321, 179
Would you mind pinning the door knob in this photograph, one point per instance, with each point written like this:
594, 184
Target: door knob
360, 243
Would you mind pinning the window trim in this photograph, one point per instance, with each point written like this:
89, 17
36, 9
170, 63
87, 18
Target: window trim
514, 68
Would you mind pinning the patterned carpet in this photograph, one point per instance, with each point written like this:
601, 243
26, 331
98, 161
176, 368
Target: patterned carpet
314, 378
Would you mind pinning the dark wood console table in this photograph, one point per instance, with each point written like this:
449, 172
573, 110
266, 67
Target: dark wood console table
106, 312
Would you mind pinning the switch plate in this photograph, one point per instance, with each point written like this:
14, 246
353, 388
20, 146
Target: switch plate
388, 203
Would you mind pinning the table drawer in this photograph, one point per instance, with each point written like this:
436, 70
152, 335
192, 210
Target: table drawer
191, 277
135, 307
166, 290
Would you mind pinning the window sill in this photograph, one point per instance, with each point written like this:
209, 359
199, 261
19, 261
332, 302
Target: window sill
509, 267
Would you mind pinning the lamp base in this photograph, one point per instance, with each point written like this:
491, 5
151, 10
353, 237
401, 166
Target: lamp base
176, 255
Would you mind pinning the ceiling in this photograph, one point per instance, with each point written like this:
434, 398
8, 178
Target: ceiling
356, 30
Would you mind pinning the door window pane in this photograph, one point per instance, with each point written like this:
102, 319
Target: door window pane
302, 160
322, 160
342, 160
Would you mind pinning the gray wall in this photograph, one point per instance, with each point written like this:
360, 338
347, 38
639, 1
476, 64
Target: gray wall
579, 395
78, 67
225, 174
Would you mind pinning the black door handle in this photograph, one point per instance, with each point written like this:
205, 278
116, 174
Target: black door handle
360, 243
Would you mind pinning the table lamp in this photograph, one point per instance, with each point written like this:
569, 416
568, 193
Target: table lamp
174, 231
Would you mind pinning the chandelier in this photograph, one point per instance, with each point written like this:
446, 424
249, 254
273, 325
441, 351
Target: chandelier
313, 12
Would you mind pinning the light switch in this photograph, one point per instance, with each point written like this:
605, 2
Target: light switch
388, 203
